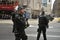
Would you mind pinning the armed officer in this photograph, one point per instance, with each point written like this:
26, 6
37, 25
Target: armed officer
19, 24
43, 24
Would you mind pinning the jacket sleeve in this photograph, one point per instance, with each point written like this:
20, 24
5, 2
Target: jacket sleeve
47, 21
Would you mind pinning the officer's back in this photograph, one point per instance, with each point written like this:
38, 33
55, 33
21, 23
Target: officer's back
43, 21
43, 24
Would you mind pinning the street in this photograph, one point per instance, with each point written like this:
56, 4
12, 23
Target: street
53, 33
31, 10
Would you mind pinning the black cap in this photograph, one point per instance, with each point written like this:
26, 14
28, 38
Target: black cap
20, 8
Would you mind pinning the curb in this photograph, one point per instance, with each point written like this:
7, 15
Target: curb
56, 20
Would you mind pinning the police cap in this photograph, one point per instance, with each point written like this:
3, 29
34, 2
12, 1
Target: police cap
20, 8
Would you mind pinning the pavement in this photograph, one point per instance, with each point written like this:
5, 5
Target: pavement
31, 21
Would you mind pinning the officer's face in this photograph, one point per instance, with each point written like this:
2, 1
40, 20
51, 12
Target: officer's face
21, 11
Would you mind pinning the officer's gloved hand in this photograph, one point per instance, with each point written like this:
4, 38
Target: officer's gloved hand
38, 30
47, 26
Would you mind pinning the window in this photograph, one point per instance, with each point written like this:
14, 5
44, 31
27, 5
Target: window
44, 3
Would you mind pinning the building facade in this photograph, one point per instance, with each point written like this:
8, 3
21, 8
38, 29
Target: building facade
34, 6
56, 8
46, 4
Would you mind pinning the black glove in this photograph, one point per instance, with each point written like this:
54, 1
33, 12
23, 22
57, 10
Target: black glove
47, 26
38, 30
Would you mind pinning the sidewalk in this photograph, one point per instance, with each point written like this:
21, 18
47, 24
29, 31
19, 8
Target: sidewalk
31, 21
6, 21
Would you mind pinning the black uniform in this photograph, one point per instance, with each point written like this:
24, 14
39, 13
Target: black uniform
19, 26
43, 24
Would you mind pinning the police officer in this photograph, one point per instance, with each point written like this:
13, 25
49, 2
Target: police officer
19, 24
43, 24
